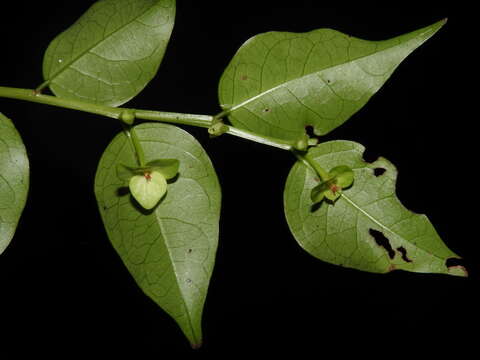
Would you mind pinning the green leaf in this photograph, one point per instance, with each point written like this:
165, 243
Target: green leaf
167, 167
367, 228
14, 180
343, 176
148, 188
340, 177
278, 82
170, 251
111, 52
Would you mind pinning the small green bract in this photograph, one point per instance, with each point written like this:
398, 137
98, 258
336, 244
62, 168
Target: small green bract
148, 188
341, 177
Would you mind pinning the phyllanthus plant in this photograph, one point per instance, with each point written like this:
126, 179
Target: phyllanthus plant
156, 188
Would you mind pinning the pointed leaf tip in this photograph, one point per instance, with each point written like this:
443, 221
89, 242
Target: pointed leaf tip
324, 84
368, 228
170, 250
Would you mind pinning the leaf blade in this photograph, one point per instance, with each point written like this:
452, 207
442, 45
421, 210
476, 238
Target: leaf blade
278, 82
368, 228
169, 251
111, 53
14, 180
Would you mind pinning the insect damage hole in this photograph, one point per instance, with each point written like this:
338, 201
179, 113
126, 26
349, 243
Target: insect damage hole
379, 171
382, 241
403, 252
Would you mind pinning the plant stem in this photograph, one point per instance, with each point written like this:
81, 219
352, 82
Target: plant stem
175, 118
132, 135
204, 121
307, 160
31, 95
278, 143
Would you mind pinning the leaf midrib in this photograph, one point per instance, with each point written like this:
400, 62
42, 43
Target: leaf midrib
384, 227
249, 100
177, 282
81, 54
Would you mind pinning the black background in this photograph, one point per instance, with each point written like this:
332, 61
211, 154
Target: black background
63, 289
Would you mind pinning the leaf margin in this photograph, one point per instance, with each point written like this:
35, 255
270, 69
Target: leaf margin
194, 334
20, 161
390, 176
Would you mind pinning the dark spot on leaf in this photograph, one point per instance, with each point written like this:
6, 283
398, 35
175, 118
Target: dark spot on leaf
189, 251
379, 171
267, 110
391, 267
328, 81
315, 207
382, 241
188, 281
243, 77
403, 251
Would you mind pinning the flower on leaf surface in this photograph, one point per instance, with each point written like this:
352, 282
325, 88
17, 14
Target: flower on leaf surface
340, 177
148, 184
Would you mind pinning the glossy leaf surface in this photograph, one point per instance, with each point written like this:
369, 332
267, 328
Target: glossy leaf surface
367, 228
170, 250
110, 54
278, 82
14, 180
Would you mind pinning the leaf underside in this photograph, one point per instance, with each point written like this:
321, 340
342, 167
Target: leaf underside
111, 52
170, 250
278, 83
367, 228
14, 180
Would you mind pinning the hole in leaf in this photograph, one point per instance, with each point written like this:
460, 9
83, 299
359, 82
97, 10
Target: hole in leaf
382, 241
403, 251
266, 110
379, 171
456, 266
122, 191
309, 131
451, 262
370, 156
454, 262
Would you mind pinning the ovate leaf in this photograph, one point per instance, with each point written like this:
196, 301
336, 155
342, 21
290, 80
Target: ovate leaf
169, 250
14, 180
110, 54
367, 228
278, 82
